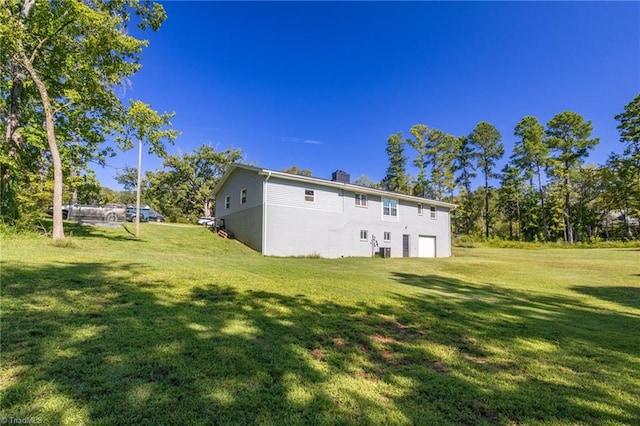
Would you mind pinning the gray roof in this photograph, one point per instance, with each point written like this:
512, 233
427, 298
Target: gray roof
328, 183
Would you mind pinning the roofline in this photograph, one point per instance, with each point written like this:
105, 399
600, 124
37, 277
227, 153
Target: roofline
333, 184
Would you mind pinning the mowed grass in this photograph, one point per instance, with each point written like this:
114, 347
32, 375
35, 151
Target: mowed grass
182, 327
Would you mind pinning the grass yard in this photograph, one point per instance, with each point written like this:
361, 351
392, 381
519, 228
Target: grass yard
181, 327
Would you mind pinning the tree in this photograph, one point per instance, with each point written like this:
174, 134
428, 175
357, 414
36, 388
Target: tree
396, 178
145, 125
73, 53
420, 133
464, 165
510, 198
568, 136
629, 128
294, 170
364, 180
629, 162
487, 140
531, 154
183, 188
441, 154
620, 191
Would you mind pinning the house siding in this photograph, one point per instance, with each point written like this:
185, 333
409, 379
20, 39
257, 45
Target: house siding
278, 221
243, 220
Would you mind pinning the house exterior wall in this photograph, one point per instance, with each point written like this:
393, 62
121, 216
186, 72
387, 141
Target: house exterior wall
280, 219
244, 220
331, 226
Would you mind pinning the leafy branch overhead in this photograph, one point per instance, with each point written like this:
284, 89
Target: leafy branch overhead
62, 62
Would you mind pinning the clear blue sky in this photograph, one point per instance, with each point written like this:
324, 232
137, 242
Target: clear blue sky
322, 85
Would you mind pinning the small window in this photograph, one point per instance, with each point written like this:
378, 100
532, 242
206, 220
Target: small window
432, 211
309, 195
227, 202
389, 207
243, 196
387, 236
364, 235
419, 209
361, 200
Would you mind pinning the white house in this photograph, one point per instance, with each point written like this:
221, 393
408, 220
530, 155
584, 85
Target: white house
282, 214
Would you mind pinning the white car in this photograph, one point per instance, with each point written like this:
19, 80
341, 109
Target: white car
206, 221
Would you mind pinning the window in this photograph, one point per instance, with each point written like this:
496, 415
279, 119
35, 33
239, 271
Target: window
227, 201
389, 207
364, 235
361, 200
419, 209
432, 211
387, 236
243, 196
309, 195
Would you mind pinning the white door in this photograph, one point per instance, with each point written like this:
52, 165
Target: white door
426, 246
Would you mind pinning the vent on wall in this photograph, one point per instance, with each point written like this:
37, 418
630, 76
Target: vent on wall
340, 176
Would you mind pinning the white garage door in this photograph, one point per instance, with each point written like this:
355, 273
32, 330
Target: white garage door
426, 246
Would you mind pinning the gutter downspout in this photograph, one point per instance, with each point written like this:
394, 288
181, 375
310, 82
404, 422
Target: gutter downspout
264, 214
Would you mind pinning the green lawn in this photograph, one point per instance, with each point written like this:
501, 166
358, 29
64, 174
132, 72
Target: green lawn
182, 327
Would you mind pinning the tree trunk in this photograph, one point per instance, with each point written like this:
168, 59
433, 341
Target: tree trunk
486, 203
545, 227
58, 229
139, 189
567, 206
13, 140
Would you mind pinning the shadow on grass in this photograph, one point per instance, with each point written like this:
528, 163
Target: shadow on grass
87, 230
98, 343
624, 295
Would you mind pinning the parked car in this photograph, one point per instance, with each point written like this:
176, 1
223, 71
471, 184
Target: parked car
92, 212
132, 212
206, 221
154, 216
146, 214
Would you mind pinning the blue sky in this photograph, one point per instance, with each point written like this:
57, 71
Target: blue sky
322, 85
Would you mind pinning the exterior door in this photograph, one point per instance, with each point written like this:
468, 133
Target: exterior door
426, 246
405, 245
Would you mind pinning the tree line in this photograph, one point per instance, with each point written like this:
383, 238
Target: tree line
545, 191
63, 65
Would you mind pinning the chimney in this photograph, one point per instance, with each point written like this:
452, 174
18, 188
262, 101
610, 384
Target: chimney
340, 176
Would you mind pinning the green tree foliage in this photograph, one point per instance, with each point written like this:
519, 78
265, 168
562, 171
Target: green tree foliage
435, 152
545, 192
144, 125
364, 180
510, 199
487, 140
531, 155
294, 170
419, 143
396, 178
441, 154
182, 190
61, 60
568, 136
629, 128
465, 166
629, 162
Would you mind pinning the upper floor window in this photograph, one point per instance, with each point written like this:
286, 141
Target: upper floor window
309, 195
389, 207
227, 201
243, 196
387, 236
419, 209
364, 234
432, 212
361, 200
